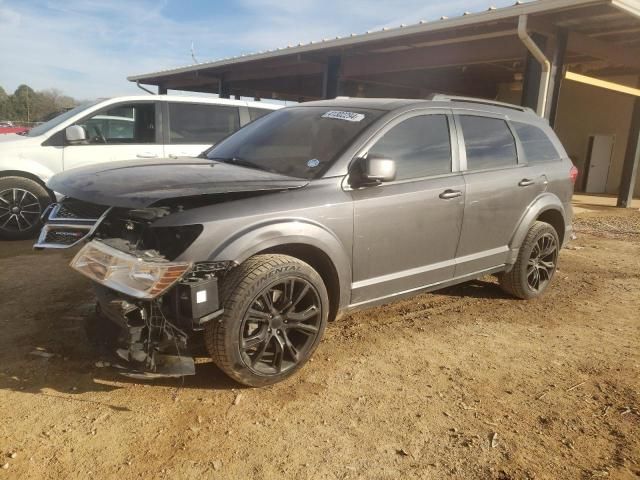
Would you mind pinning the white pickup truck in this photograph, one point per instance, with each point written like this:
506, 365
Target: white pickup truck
107, 130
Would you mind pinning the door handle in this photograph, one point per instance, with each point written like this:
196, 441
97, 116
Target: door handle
525, 182
448, 194
146, 155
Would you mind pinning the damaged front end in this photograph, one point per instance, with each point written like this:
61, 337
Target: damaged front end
151, 308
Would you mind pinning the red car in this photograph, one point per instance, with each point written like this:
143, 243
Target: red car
4, 129
9, 127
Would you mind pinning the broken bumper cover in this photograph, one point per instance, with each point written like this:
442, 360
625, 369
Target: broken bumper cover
153, 338
146, 339
138, 341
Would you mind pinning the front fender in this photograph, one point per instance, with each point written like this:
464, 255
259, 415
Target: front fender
257, 238
541, 204
25, 167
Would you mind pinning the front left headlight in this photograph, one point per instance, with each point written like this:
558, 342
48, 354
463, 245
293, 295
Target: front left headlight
131, 275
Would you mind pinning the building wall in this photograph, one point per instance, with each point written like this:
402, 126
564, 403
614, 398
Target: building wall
585, 110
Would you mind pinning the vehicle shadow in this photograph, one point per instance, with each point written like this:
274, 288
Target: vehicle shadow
208, 377
77, 373
480, 288
59, 361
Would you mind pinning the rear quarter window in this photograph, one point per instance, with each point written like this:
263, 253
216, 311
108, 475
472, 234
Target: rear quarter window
489, 142
537, 146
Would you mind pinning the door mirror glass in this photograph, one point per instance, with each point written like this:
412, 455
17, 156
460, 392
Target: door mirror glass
373, 170
75, 134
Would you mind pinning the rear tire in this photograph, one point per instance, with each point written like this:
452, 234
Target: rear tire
22, 202
536, 263
276, 308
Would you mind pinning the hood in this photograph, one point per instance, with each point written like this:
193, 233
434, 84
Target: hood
139, 184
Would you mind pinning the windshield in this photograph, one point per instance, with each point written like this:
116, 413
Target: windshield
55, 121
300, 142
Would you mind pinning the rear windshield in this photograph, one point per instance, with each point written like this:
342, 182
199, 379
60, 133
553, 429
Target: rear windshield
300, 142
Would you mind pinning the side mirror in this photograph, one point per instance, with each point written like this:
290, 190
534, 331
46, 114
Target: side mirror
373, 170
75, 134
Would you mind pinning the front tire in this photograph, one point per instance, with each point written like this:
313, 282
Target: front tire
536, 263
22, 202
276, 308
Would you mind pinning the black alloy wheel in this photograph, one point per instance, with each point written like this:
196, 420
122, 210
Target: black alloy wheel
22, 202
280, 326
542, 262
535, 265
276, 308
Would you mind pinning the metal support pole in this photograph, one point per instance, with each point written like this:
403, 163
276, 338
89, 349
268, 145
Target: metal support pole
223, 88
331, 87
557, 74
631, 160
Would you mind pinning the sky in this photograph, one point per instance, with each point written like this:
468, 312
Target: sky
87, 48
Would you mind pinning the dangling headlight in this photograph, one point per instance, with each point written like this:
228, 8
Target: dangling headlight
134, 276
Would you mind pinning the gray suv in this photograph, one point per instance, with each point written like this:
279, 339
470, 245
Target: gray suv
304, 215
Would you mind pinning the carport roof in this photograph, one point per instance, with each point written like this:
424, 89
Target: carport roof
594, 26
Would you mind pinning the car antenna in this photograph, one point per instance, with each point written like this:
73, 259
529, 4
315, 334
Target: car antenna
193, 53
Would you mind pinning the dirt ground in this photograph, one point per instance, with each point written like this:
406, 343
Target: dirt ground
465, 383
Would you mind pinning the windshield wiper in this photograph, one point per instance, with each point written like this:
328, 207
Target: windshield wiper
241, 162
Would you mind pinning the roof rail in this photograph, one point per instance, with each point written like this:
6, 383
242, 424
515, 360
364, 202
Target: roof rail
439, 97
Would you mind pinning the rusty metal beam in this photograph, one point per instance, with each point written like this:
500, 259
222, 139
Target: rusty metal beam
572, 16
606, 51
275, 72
468, 53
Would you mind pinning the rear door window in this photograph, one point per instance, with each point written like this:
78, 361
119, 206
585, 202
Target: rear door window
200, 123
420, 146
489, 142
537, 146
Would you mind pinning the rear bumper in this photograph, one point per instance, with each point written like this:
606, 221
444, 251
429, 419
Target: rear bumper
568, 235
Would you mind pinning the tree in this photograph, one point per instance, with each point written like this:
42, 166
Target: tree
27, 105
22, 101
5, 107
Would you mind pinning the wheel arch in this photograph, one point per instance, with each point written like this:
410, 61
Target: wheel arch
321, 263
30, 176
546, 208
307, 241
554, 217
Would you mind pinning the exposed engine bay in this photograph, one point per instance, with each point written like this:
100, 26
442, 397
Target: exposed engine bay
150, 309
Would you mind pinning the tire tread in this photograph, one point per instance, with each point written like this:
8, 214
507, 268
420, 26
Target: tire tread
510, 281
235, 287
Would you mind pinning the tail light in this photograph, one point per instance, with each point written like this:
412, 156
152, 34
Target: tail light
573, 174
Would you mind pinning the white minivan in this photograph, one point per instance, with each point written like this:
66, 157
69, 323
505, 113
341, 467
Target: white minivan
119, 128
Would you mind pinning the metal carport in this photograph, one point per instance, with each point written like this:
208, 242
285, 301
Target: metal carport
487, 54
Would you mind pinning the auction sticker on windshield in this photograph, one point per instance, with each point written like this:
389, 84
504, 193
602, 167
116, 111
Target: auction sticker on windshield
348, 116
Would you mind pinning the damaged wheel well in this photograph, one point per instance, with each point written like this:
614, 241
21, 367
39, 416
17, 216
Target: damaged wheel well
321, 263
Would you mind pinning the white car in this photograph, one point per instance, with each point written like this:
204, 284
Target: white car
107, 130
